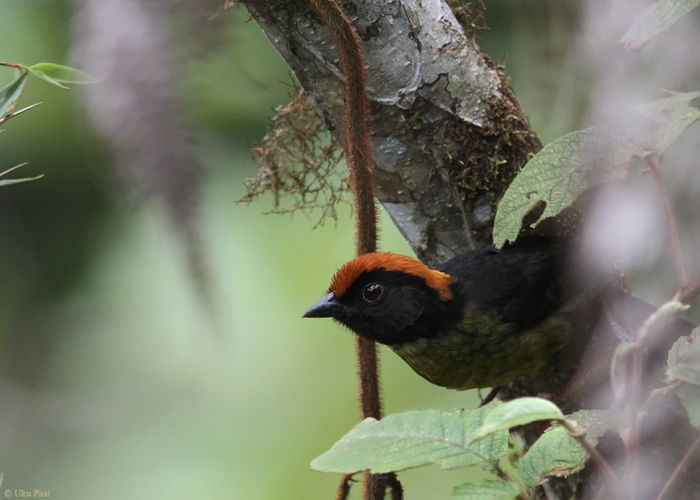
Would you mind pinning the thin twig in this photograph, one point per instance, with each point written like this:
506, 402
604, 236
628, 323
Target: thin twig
579, 434
677, 471
691, 292
13, 168
12, 115
676, 249
11, 65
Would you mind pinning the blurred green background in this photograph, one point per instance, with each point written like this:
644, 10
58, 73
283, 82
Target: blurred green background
117, 381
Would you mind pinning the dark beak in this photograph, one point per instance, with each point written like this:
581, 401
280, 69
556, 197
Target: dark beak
324, 308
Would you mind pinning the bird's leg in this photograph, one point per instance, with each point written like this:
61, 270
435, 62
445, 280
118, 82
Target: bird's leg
490, 396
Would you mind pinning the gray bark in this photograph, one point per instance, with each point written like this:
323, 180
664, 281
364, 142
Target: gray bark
447, 134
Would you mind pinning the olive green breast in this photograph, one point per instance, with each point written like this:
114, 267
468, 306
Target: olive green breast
481, 351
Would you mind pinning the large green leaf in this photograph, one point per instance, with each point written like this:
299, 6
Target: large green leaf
558, 174
576, 162
655, 19
414, 439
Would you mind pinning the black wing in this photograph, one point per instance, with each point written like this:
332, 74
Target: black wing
521, 283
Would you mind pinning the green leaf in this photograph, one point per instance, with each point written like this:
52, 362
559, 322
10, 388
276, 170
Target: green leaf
414, 439
556, 453
559, 173
517, 412
655, 19
57, 74
7, 182
669, 117
684, 359
10, 94
576, 162
486, 489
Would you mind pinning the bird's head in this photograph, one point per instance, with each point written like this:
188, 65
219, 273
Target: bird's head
389, 298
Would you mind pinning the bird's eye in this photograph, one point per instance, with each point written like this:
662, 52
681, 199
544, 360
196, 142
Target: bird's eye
372, 292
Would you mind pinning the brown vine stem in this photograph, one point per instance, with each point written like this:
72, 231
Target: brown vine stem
358, 154
356, 136
676, 249
344, 486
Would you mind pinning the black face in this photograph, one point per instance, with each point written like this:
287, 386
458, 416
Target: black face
389, 307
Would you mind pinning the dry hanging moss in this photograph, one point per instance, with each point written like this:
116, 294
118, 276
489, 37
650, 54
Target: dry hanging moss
300, 163
469, 15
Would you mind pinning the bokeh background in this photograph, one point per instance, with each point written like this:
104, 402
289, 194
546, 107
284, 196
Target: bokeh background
118, 379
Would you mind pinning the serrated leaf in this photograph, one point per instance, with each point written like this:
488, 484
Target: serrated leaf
576, 162
414, 439
556, 453
58, 74
10, 94
684, 359
517, 412
486, 489
559, 173
669, 117
655, 19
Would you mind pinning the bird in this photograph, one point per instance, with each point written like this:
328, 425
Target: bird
482, 319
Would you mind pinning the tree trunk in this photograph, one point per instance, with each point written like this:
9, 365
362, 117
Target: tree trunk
447, 134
